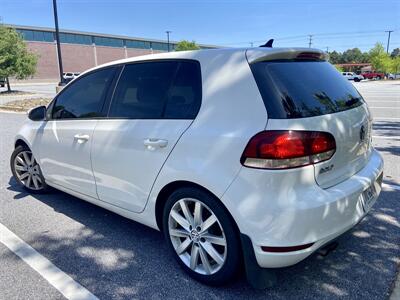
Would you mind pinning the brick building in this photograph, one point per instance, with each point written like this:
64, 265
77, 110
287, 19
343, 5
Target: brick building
83, 50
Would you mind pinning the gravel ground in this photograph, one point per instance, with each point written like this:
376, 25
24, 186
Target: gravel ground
115, 258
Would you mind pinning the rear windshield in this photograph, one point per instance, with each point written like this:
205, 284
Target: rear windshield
299, 89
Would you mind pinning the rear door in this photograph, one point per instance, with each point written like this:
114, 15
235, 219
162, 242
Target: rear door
153, 104
318, 100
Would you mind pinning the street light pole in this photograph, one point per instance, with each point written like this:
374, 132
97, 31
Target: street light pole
388, 42
168, 32
60, 66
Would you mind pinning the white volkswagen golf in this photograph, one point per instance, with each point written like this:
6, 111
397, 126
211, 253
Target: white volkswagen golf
259, 156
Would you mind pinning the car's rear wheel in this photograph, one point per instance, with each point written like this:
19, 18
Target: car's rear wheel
26, 170
202, 236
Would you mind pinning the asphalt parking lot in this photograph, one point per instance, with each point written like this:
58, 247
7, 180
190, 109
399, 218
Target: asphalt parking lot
112, 257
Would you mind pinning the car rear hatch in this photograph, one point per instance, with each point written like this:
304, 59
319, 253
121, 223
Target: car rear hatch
302, 91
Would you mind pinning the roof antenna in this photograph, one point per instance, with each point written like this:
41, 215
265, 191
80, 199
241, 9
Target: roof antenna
268, 44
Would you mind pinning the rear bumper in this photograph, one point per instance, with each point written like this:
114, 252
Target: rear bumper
291, 210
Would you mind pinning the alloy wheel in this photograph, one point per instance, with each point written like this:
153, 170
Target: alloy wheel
197, 236
28, 171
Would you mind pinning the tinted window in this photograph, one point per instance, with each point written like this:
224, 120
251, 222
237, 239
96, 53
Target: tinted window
84, 98
110, 42
184, 97
159, 46
293, 89
137, 44
156, 90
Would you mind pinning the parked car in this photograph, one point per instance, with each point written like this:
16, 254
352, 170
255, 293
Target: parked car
2, 82
68, 76
352, 76
373, 75
394, 76
228, 152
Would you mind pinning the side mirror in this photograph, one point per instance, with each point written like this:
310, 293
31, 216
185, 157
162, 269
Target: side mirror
37, 113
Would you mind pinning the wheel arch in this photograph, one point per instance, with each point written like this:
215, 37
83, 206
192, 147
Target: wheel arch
168, 189
20, 142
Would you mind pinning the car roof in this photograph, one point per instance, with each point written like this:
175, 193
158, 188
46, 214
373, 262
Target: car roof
252, 54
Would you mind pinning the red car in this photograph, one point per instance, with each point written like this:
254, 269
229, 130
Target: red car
373, 75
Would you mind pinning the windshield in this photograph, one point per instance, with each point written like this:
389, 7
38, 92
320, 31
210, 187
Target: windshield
299, 89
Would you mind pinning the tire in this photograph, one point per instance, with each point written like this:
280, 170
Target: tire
26, 171
357, 79
379, 78
223, 264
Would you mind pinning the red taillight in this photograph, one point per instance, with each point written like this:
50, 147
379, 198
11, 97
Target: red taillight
282, 149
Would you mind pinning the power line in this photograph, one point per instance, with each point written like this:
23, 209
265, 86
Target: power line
310, 40
330, 35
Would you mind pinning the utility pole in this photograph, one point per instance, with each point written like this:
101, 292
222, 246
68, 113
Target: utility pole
251, 44
327, 49
60, 66
388, 42
310, 40
168, 32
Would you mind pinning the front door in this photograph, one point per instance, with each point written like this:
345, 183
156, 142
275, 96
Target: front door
66, 138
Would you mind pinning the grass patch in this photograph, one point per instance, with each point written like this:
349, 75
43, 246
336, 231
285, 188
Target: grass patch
15, 93
25, 105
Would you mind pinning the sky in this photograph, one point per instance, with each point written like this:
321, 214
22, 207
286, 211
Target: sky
338, 25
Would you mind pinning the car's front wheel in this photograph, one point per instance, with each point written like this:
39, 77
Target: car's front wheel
202, 236
26, 170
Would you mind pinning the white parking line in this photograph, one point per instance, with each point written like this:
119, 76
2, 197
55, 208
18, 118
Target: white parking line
380, 102
57, 278
389, 107
386, 137
385, 118
391, 186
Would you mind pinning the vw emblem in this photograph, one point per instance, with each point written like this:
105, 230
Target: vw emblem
362, 133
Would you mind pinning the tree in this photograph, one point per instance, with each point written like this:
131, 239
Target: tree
353, 56
395, 68
15, 59
335, 57
395, 52
186, 45
379, 59
340, 69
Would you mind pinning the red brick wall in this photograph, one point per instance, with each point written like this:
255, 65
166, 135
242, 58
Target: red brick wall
137, 52
47, 67
75, 58
107, 54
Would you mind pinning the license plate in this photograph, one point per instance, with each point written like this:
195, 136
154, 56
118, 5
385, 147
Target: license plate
368, 198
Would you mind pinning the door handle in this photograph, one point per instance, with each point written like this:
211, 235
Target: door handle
81, 138
152, 144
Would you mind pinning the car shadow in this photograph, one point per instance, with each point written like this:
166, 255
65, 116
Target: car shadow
117, 258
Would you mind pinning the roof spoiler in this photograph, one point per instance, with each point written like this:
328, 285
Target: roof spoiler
261, 54
268, 44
